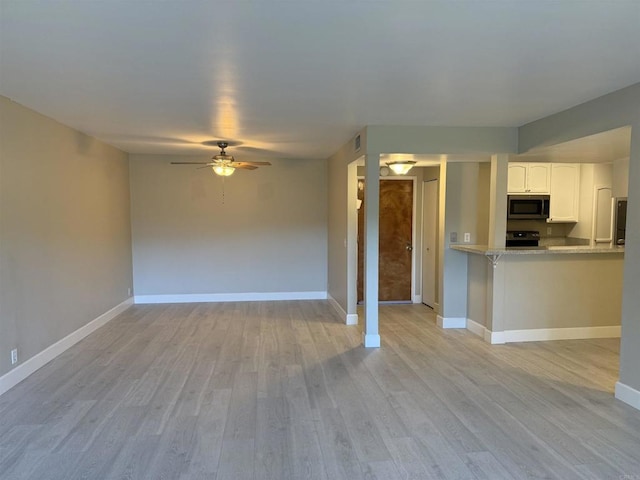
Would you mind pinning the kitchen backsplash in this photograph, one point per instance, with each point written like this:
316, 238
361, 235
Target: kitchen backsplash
562, 241
551, 234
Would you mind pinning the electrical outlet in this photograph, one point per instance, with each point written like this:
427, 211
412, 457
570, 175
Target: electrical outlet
467, 237
14, 356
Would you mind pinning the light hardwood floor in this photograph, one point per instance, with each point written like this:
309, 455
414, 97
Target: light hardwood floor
282, 390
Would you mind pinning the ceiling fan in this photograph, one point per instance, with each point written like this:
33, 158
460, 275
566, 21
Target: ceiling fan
224, 164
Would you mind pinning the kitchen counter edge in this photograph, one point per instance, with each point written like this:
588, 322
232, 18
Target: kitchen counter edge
574, 249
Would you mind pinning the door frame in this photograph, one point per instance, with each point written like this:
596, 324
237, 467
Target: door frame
415, 269
436, 305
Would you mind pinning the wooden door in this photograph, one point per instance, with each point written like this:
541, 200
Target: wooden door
396, 233
430, 242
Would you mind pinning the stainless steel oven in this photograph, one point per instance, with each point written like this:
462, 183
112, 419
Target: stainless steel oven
528, 207
523, 238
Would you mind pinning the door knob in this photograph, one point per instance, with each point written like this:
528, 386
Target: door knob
409, 247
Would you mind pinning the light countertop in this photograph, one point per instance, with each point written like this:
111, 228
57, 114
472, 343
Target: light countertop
552, 250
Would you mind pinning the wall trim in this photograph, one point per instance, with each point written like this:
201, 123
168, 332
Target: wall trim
348, 318
229, 297
571, 333
628, 395
475, 327
494, 338
22, 371
417, 299
452, 322
530, 335
545, 334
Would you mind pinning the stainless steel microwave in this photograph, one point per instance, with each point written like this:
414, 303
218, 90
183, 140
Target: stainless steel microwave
528, 207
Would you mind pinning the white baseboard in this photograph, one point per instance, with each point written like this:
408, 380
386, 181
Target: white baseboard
543, 334
451, 322
230, 297
348, 318
370, 340
475, 327
628, 395
22, 371
417, 299
576, 333
494, 338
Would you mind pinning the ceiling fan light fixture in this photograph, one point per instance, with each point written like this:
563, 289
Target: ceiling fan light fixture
223, 170
223, 157
401, 168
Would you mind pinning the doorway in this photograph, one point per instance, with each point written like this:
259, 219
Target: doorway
395, 256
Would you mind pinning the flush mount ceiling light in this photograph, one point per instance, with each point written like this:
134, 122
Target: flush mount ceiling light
401, 168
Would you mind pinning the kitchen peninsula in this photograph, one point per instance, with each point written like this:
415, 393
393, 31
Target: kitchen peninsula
543, 293
550, 250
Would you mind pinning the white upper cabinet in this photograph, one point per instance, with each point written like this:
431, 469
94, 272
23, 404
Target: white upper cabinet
565, 192
528, 178
517, 178
538, 178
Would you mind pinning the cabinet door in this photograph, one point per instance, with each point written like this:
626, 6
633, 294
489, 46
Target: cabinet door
565, 191
517, 178
602, 216
538, 178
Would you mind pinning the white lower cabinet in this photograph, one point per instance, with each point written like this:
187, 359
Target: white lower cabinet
565, 192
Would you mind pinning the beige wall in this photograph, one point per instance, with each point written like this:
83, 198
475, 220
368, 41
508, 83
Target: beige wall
342, 224
477, 265
621, 177
65, 239
461, 216
477, 284
483, 204
261, 231
580, 290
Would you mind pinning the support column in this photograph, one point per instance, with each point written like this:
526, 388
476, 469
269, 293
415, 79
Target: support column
497, 234
371, 247
498, 200
628, 387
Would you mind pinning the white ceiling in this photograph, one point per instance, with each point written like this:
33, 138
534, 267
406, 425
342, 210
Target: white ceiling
299, 78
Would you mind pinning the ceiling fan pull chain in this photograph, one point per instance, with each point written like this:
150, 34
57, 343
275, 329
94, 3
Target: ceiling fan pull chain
223, 190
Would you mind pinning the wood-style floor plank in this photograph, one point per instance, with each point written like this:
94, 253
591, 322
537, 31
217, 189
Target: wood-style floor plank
283, 390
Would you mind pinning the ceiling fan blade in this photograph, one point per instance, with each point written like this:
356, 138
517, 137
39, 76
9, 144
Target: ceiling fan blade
243, 166
191, 163
256, 164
